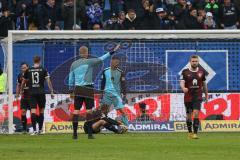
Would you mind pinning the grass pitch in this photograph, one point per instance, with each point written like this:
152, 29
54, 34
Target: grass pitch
152, 146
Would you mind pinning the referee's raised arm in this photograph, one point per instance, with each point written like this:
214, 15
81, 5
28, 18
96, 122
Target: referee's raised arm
93, 61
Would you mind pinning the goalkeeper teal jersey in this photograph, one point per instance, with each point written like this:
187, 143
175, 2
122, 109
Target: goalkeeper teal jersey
81, 71
113, 81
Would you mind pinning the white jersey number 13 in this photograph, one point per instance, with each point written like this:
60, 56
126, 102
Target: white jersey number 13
35, 77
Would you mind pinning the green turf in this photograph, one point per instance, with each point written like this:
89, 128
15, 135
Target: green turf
162, 146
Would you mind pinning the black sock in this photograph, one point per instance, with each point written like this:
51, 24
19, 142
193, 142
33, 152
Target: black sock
189, 126
90, 129
195, 125
111, 128
75, 123
41, 120
33, 118
24, 122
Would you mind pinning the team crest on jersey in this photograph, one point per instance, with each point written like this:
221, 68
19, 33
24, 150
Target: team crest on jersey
195, 82
200, 75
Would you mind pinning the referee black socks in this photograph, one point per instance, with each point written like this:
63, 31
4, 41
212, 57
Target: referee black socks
75, 123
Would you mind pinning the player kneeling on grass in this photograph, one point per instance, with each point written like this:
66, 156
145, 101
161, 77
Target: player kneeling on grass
113, 85
98, 120
193, 84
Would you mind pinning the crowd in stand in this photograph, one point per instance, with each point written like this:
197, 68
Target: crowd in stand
118, 14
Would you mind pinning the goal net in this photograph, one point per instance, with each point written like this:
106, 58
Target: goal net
151, 60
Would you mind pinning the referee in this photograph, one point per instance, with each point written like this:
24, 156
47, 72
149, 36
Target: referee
81, 83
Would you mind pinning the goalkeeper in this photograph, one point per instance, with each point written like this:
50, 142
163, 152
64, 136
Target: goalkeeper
113, 86
98, 120
81, 82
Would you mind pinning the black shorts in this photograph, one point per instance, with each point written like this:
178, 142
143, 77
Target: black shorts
195, 105
84, 94
25, 104
85, 127
37, 99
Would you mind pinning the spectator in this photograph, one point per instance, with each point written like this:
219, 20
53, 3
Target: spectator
113, 23
209, 22
147, 19
22, 21
193, 21
52, 14
229, 15
202, 12
161, 21
35, 14
189, 5
3, 4
111, 6
173, 21
21, 6
32, 26
82, 20
68, 14
131, 22
212, 7
96, 26
181, 12
6, 23
94, 13
121, 17
136, 5
201, 16
48, 15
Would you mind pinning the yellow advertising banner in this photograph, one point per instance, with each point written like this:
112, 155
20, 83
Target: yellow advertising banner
220, 125
62, 127
180, 127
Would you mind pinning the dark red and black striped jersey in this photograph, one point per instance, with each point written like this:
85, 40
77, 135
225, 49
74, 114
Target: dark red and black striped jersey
194, 82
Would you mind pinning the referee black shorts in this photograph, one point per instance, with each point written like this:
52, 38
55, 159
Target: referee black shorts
37, 100
84, 94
